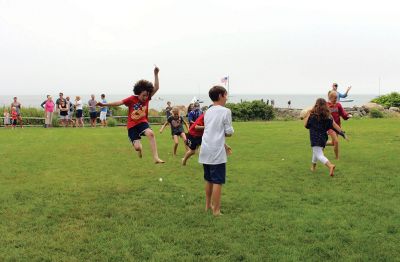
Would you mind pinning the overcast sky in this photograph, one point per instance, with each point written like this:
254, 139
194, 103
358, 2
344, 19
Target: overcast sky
266, 47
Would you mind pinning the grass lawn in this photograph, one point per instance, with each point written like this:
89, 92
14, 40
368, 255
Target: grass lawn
82, 194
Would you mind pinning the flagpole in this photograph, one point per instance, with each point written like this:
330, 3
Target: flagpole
228, 87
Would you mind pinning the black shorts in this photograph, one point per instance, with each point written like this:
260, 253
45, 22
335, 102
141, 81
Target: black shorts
14, 122
134, 133
93, 115
79, 113
177, 133
215, 174
193, 141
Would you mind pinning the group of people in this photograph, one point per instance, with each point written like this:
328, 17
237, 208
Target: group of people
69, 113
323, 120
208, 129
67, 109
14, 116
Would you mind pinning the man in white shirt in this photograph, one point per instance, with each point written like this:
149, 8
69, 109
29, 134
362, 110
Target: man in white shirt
213, 151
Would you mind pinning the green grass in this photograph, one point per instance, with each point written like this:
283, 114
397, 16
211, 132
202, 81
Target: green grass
82, 194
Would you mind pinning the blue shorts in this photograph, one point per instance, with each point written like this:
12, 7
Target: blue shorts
93, 115
134, 133
215, 174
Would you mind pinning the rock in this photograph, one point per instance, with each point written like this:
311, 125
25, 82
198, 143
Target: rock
394, 109
368, 106
304, 112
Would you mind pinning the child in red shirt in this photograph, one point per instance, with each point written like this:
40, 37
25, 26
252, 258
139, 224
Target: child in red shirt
138, 108
193, 138
14, 116
337, 111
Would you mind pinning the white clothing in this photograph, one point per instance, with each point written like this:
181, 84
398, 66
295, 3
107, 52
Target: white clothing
318, 154
217, 123
79, 105
103, 116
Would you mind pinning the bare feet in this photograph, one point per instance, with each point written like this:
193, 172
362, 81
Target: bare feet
313, 167
217, 213
140, 153
159, 161
331, 170
183, 162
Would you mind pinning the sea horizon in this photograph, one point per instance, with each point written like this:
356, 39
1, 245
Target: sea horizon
159, 100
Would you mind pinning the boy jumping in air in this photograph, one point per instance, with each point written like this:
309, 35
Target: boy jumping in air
213, 154
138, 107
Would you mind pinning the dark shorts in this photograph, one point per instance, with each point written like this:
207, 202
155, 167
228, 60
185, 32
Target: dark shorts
93, 115
79, 113
215, 174
14, 122
177, 133
192, 141
134, 133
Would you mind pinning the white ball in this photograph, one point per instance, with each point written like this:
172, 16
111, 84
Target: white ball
160, 179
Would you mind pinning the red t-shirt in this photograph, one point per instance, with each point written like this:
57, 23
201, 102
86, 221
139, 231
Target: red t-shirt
14, 115
199, 122
337, 111
138, 111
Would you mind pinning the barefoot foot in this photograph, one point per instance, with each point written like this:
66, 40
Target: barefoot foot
159, 161
183, 162
331, 170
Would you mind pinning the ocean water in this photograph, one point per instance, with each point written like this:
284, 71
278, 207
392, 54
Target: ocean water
159, 101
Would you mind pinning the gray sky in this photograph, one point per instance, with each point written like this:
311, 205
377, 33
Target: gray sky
273, 47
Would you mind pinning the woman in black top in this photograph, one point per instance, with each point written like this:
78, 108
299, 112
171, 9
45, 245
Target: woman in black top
319, 120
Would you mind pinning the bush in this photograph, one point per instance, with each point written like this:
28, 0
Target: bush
55, 122
254, 110
375, 113
111, 122
392, 99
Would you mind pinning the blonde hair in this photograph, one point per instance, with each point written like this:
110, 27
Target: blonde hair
331, 94
175, 110
77, 98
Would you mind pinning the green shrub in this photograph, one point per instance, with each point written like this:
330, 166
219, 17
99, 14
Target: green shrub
254, 110
55, 122
375, 113
392, 99
111, 122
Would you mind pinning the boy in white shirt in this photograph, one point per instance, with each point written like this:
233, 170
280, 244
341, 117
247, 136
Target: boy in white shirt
213, 152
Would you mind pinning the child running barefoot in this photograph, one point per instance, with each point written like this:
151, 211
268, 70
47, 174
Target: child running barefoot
176, 122
337, 111
194, 137
213, 153
138, 106
319, 120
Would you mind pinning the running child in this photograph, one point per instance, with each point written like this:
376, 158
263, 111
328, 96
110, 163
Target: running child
176, 122
6, 118
337, 111
138, 107
213, 155
319, 120
14, 117
193, 138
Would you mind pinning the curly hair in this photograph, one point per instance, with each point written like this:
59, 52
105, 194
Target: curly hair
143, 85
320, 109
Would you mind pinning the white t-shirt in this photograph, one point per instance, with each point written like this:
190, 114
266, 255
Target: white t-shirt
79, 105
217, 123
